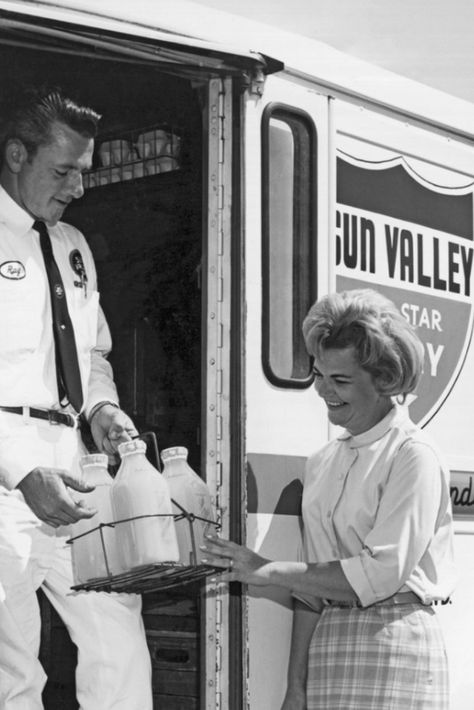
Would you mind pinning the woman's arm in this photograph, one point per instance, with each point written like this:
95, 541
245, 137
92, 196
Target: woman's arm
304, 623
403, 528
325, 579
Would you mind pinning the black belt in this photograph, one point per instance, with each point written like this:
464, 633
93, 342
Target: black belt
50, 415
400, 598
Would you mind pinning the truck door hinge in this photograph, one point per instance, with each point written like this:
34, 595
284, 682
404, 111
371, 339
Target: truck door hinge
254, 82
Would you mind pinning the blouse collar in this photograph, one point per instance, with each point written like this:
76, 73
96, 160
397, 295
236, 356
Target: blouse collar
396, 414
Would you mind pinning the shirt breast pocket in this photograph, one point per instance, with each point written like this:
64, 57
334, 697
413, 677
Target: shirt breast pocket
21, 317
84, 317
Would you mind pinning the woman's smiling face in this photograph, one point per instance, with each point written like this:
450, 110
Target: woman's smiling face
349, 391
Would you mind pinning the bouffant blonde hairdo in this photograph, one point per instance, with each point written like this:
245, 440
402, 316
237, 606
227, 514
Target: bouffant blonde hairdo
385, 343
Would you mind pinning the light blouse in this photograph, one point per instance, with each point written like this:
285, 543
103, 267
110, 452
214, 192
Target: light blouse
379, 502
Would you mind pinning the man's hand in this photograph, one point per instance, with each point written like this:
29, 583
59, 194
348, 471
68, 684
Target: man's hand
110, 426
46, 492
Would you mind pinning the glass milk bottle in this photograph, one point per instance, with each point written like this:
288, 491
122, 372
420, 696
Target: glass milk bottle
94, 554
191, 493
140, 490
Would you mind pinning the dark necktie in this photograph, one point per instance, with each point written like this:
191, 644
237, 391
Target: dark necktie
67, 364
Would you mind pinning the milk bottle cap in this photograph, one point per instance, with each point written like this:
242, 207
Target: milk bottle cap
94, 469
94, 460
174, 452
131, 447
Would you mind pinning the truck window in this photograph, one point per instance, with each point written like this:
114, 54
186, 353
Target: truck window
289, 241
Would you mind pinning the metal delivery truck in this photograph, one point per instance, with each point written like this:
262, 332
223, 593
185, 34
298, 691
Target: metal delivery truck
240, 173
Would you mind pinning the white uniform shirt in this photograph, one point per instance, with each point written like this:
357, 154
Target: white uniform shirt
27, 359
380, 503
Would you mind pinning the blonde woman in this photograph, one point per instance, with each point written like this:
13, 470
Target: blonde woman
377, 526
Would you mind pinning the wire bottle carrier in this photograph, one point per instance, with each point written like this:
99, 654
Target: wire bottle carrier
153, 577
150, 577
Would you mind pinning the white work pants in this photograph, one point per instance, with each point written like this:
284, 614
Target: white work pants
113, 670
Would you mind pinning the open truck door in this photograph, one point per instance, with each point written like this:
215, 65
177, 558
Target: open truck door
287, 220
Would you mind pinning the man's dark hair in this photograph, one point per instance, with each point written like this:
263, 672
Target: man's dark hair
29, 117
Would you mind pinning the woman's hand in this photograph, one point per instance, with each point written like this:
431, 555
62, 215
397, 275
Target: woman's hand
242, 564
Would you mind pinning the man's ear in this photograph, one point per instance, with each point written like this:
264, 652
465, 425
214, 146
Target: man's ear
15, 154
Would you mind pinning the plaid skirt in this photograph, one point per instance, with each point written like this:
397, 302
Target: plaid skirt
379, 658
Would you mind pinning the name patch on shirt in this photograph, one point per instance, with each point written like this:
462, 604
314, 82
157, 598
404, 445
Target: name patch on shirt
13, 270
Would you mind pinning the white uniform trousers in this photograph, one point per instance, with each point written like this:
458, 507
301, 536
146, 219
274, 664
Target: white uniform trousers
113, 670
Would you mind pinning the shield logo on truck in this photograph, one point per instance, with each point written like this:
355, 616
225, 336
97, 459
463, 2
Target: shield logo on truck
413, 241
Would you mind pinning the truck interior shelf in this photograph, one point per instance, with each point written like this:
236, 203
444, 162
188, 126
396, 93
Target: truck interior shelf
133, 155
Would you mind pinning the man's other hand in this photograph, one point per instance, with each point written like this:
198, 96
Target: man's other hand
46, 492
